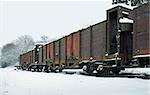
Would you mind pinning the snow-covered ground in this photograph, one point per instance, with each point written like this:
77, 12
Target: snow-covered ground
34, 83
137, 70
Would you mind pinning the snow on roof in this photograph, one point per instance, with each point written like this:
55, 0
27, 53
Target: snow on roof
30, 49
40, 43
123, 5
112, 59
125, 20
125, 12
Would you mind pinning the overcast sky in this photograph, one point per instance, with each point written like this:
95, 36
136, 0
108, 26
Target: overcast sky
52, 18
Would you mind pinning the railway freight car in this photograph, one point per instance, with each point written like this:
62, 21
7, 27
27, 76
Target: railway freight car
72, 49
26, 59
93, 42
112, 42
105, 47
23, 61
141, 37
63, 50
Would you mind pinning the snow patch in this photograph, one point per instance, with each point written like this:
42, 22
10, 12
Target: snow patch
36, 83
137, 70
123, 5
125, 20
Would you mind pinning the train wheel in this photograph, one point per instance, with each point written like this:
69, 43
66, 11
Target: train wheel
100, 69
103, 71
60, 70
116, 71
90, 68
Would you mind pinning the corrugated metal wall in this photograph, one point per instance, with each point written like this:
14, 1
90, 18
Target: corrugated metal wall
52, 51
47, 52
69, 46
141, 38
33, 56
86, 43
44, 53
29, 57
24, 58
99, 40
76, 44
63, 50
57, 51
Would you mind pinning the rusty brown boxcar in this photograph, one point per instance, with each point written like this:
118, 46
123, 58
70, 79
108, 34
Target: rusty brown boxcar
52, 51
86, 44
57, 52
33, 56
99, 41
63, 50
76, 44
27, 60
76, 47
69, 49
25, 57
48, 52
29, 57
23, 60
141, 36
141, 40
44, 54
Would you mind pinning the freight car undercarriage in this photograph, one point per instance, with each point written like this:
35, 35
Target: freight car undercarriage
101, 71
108, 68
41, 68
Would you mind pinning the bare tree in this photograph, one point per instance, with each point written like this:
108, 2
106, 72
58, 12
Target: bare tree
11, 51
44, 39
9, 54
24, 43
0, 52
